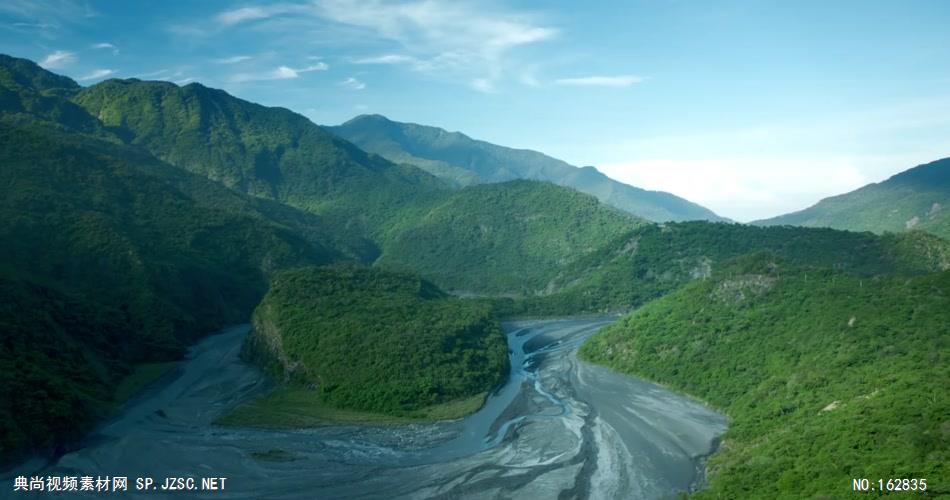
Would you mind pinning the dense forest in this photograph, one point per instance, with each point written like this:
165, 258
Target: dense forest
825, 376
917, 198
139, 216
653, 260
464, 161
374, 340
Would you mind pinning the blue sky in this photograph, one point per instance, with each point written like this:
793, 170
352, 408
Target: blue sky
752, 108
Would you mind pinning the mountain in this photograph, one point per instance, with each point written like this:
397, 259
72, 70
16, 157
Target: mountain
825, 376
371, 340
653, 260
112, 258
508, 238
137, 216
465, 161
918, 198
266, 152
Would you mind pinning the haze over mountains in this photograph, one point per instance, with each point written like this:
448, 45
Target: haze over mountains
465, 161
918, 198
138, 216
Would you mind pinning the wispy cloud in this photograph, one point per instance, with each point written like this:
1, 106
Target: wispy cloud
152, 74
279, 73
353, 84
386, 59
58, 59
106, 46
97, 74
236, 16
483, 85
232, 60
49, 10
454, 40
601, 81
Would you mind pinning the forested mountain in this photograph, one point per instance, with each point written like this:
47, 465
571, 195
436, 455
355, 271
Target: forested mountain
266, 152
653, 260
138, 216
509, 238
826, 376
465, 161
123, 258
112, 258
376, 340
918, 198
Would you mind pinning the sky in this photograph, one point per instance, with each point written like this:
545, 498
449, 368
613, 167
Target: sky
751, 108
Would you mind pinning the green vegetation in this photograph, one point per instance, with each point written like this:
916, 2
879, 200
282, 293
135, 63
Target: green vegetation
508, 238
267, 152
653, 260
916, 198
138, 216
825, 376
112, 258
464, 161
373, 341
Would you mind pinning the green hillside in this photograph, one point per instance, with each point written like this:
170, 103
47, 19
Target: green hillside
465, 161
918, 198
652, 260
266, 152
509, 238
112, 258
377, 341
825, 376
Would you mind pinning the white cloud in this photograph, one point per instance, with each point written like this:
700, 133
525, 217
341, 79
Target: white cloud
483, 85
232, 60
455, 40
152, 74
387, 59
601, 81
236, 16
353, 84
97, 74
106, 46
320, 66
280, 73
58, 59
744, 188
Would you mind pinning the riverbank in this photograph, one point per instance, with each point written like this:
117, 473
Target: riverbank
301, 408
557, 427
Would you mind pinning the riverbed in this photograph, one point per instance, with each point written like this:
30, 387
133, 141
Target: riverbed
558, 428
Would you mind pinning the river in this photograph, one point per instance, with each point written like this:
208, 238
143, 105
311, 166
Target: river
559, 428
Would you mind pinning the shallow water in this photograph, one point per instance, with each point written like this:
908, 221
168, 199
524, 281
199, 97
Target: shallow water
559, 428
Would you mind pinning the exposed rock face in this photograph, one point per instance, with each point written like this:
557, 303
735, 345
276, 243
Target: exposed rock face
738, 289
264, 347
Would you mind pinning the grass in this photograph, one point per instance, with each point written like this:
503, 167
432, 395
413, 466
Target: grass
141, 377
296, 408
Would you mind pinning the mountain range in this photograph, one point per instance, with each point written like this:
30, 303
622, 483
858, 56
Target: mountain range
464, 161
918, 198
137, 216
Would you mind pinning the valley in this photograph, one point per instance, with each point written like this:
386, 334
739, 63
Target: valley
553, 428
437, 316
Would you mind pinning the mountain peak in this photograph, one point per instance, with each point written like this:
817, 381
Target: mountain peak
24, 74
912, 199
463, 161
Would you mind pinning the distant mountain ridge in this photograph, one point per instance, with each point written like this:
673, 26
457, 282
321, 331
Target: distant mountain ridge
465, 161
918, 198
